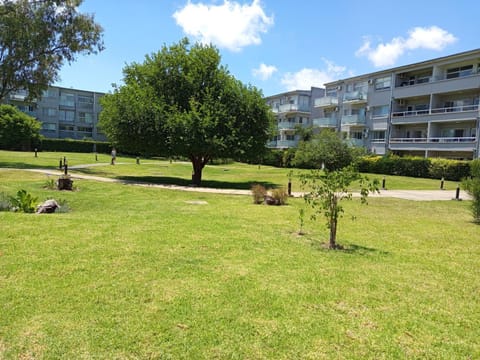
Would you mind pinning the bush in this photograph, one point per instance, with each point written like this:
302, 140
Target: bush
280, 195
258, 192
472, 186
69, 145
23, 202
18, 131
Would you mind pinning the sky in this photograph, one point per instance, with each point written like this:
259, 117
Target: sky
277, 45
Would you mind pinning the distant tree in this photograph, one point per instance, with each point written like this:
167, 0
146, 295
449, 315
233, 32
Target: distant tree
36, 37
329, 188
325, 149
18, 131
472, 186
305, 133
182, 102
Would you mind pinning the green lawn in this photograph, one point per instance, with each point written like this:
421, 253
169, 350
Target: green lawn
230, 176
133, 272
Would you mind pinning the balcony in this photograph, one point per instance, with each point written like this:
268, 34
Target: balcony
434, 143
326, 101
291, 108
282, 144
325, 122
355, 97
287, 125
357, 119
457, 113
380, 123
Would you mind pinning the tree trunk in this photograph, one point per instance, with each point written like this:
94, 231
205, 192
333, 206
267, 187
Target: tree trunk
198, 163
333, 223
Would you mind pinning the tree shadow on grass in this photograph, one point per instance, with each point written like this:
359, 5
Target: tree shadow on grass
214, 184
21, 165
352, 249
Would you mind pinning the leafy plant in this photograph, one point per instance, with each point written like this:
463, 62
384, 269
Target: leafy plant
258, 192
280, 195
472, 186
50, 184
23, 202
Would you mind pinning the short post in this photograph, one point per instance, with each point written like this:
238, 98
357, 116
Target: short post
138, 160
96, 157
383, 183
289, 187
441, 183
60, 164
457, 193
66, 169
36, 152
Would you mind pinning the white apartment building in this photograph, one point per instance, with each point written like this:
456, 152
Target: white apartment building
292, 109
428, 109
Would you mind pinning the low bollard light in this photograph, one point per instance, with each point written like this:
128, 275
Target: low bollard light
36, 152
441, 183
383, 183
457, 193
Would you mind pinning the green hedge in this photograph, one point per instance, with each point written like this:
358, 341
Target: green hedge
454, 170
69, 145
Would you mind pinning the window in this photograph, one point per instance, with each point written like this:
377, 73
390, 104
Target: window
82, 99
49, 127
85, 129
50, 93
66, 128
85, 117
65, 115
378, 136
291, 120
50, 112
331, 92
356, 135
67, 99
383, 83
459, 71
290, 137
380, 111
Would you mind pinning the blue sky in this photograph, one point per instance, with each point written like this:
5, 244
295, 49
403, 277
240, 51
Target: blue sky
278, 45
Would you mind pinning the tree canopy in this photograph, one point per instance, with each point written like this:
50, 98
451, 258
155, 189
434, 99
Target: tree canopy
18, 131
326, 150
182, 102
37, 37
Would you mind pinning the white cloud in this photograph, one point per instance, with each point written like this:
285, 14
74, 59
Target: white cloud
386, 54
230, 25
306, 77
264, 72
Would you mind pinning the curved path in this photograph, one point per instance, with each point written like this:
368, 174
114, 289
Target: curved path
417, 195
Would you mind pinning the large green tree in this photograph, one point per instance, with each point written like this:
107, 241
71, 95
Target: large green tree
37, 37
18, 131
182, 102
324, 150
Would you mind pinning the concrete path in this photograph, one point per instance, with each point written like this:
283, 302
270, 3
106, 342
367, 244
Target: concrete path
416, 195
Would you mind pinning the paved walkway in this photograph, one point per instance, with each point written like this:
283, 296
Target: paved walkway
417, 195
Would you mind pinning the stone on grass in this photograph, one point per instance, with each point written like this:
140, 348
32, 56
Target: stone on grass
48, 207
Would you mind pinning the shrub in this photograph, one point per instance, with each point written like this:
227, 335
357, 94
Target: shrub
70, 145
23, 202
258, 192
280, 195
472, 186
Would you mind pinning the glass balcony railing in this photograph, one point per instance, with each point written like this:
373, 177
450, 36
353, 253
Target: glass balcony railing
324, 122
326, 101
290, 108
357, 119
355, 96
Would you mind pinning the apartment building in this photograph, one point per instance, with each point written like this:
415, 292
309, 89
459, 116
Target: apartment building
428, 109
63, 112
292, 109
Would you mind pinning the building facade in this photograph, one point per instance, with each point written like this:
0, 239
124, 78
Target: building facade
293, 109
428, 109
63, 112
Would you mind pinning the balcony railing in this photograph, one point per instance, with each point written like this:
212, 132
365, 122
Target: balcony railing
290, 108
463, 108
287, 125
355, 96
434, 140
324, 122
356, 119
326, 101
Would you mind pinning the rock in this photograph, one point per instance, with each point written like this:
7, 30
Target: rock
48, 207
270, 200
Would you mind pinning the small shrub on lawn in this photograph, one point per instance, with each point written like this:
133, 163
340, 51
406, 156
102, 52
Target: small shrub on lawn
23, 202
280, 195
50, 184
64, 207
258, 192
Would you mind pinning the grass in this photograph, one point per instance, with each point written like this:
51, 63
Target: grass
230, 176
133, 272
